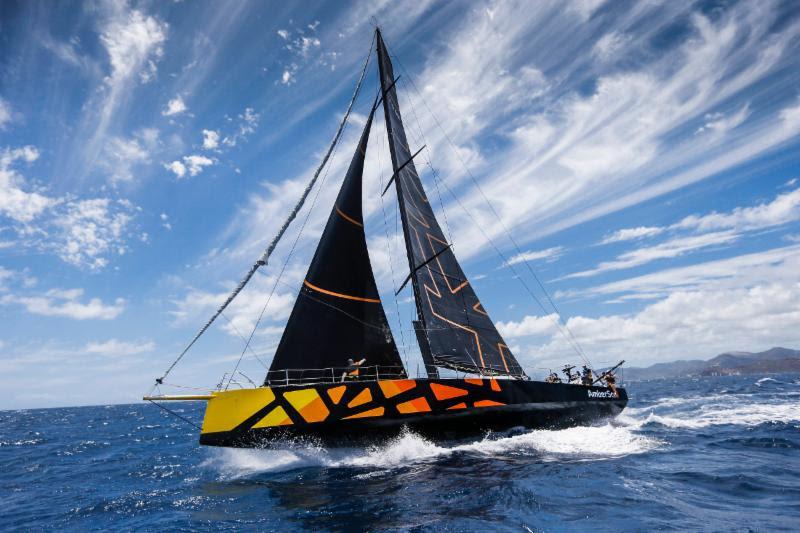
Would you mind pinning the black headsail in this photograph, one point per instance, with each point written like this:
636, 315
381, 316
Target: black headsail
456, 331
338, 314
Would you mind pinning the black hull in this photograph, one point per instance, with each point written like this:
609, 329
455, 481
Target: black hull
494, 405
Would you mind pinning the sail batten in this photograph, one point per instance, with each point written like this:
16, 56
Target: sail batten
453, 328
338, 314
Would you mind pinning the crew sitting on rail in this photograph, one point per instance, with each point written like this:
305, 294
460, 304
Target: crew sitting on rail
352, 369
553, 378
588, 377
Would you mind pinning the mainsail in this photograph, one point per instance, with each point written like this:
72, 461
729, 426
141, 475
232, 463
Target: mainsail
338, 314
456, 332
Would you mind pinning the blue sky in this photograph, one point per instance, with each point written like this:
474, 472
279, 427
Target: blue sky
644, 156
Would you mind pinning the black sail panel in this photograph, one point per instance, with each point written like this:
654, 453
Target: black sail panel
338, 314
460, 334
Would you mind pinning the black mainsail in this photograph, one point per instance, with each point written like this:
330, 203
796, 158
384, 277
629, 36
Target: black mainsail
338, 314
453, 328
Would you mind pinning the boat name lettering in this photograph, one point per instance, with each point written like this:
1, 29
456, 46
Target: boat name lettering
601, 394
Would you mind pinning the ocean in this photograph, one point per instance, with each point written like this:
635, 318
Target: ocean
717, 454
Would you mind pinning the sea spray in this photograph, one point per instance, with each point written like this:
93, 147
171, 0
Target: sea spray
409, 448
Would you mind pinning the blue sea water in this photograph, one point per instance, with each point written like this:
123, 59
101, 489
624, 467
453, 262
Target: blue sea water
715, 454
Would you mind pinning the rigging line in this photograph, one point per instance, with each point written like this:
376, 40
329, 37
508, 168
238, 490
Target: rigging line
571, 337
268, 252
388, 242
285, 264
173, 413
242, 337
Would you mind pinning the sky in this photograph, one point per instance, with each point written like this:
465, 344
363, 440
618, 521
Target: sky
642, 158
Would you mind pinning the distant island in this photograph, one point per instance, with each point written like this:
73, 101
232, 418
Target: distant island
775, 360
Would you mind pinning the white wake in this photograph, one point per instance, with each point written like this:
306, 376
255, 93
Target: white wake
589, 443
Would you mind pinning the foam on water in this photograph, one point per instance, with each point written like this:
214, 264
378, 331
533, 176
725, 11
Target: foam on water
744, 415
713, 410
590, 443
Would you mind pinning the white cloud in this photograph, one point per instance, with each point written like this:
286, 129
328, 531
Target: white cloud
81, 232
548, 254
688, 324
176, 167
713, 229
193, 164
66, 303
576, 157
738, 272
609, 45
210, 139
196, 163
287, 78
117, 348
719, 123
672, 248
16, 203
307, 44
783, 209
628, 234
91, 230
176, 106
247, 124
529, 326
283, 34
197, 305
5, 113
134, 42
121, 155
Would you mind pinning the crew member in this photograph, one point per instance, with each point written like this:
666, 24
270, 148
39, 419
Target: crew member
611, 381
588, 378
553, 378
352, 369
571, 378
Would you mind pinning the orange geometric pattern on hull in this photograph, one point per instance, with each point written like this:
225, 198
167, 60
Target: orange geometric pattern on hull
486, 403
445, 392
365, 396
395, 387
309, 404
378, 411
418, 405
335, 394
265, 407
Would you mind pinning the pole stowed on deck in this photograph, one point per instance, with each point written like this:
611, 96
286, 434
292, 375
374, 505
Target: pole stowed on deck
268, 252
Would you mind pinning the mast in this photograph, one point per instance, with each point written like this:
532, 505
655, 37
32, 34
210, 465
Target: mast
338, 314
390, 99
456, 332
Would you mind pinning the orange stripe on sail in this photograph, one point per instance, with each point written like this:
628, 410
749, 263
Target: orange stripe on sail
347, 218
340, 295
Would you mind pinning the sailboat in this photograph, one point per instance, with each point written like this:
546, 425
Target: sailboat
337, 375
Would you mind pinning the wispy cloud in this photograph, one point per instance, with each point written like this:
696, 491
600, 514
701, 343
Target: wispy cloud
671, 248
66, 303
117, 348
548, 254
709, 230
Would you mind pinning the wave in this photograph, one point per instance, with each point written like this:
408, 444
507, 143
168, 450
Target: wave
586, 443
715, 415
